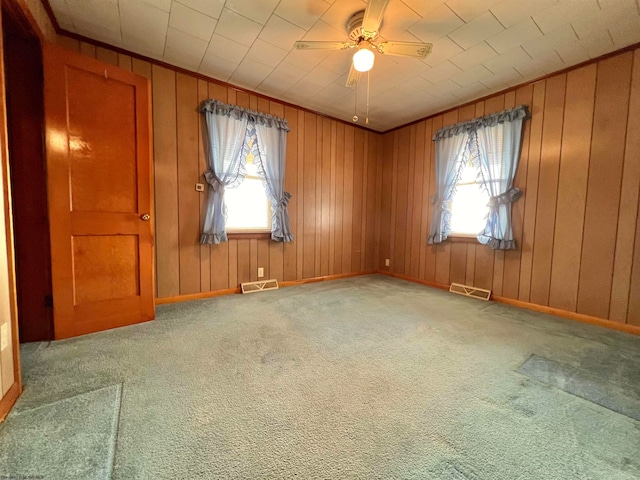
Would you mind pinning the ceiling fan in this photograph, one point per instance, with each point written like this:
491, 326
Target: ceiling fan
363, 29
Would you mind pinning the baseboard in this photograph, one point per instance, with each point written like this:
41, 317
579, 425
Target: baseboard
197, 296
441, 286
9, 400
580, 317
293, 283
230, 291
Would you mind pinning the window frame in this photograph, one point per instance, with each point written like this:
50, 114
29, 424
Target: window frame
253, 232
461, 236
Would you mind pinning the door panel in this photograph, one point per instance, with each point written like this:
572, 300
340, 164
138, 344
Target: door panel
105, 267
99, 183
97, 135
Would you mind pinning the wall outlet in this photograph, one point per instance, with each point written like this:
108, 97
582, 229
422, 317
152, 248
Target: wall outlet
199, 187
4, 336
260, 272
387, 262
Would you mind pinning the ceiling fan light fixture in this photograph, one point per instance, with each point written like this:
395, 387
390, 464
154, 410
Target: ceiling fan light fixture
363, 59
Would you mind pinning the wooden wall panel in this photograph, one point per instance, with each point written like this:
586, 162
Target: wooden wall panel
572, 188
424, 131
290, 250
622, 273
547, 189
530, 189
430, 263
318, 195
357, 189
605, 177
338, 183
512, 258
384, 215
576, 226
325, 192
166, 182
203, 163
188, 172
410, 192
309, 196
107, 56
402, 200
418, 147
347, 206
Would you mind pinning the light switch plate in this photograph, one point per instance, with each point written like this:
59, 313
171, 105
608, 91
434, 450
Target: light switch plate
200, 187
4, 336
386, 262
260, 272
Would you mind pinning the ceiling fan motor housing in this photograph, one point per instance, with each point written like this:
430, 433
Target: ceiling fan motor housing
354, 28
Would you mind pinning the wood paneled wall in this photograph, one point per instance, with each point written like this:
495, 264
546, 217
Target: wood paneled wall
361, 197
331, 173
576, 225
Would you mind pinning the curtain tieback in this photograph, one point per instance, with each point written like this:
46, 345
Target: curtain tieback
511, 195
435, 200
284, 201
212, 180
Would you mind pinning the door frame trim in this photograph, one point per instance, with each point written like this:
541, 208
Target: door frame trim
23, 19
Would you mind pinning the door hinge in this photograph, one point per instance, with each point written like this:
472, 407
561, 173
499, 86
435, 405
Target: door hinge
48, 301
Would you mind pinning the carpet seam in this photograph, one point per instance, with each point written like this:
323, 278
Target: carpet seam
15, 413
116, 430
572, 394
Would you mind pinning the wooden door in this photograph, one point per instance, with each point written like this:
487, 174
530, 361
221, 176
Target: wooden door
99, 188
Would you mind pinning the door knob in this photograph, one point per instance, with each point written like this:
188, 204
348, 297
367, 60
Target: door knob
145, 217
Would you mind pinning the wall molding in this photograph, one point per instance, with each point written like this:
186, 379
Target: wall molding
580, 317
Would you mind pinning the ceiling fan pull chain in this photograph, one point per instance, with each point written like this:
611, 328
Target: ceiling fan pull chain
368, 88
355, 107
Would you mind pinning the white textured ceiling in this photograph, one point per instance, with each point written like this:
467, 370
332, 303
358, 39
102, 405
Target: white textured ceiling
479, 46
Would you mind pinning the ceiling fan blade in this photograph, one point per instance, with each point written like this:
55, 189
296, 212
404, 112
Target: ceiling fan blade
321, 45
405, 49
354, 77
373, 16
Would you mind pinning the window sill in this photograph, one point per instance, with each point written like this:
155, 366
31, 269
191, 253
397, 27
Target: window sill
248, 235
462, 239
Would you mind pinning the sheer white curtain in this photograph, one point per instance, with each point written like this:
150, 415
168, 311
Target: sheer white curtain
271, 161
226, 131
498, 146
450, 148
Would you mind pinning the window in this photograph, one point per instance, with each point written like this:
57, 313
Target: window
469, 208
248, 208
